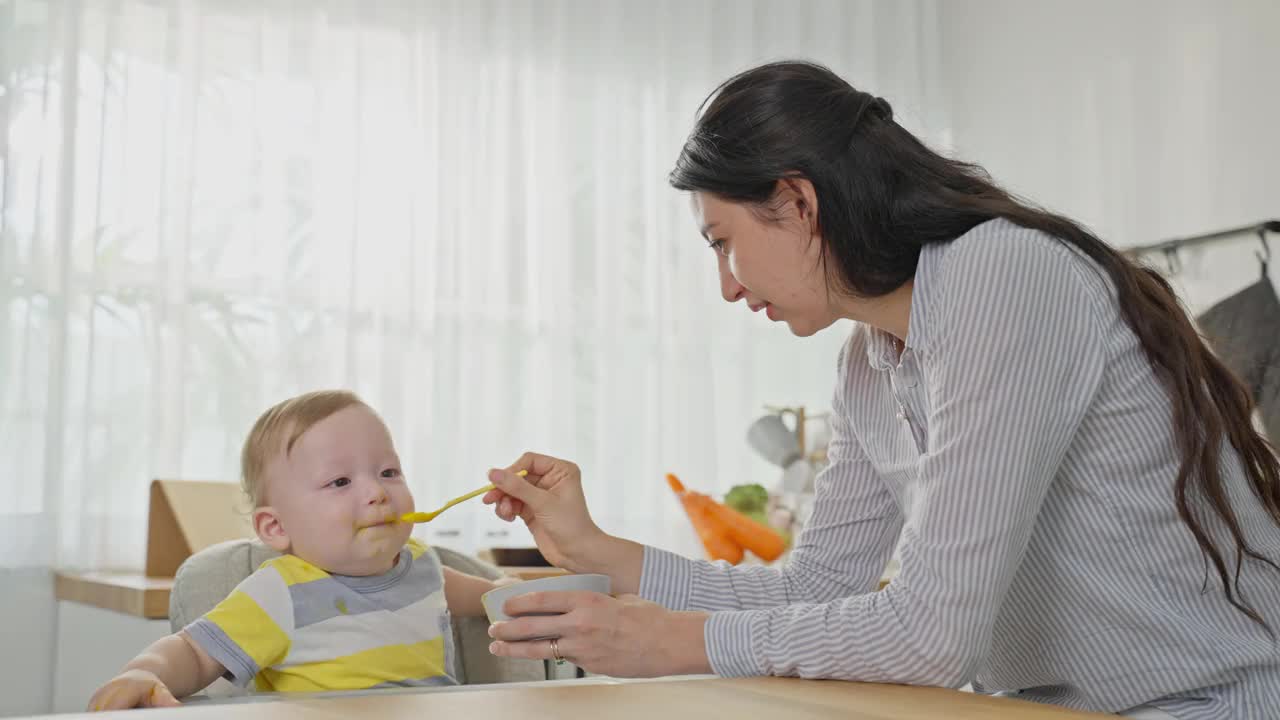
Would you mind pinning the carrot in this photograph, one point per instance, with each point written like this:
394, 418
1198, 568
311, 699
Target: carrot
715, 539
759, 538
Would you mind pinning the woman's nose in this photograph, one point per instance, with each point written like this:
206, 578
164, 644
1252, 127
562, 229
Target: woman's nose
730, 289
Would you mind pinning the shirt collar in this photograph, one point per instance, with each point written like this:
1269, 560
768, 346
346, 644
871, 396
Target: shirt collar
378, 583
881, 351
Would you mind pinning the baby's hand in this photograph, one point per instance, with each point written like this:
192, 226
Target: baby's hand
130, 689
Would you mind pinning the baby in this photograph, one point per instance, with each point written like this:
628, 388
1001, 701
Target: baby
353, 603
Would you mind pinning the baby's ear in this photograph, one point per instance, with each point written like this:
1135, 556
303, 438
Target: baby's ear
266, 522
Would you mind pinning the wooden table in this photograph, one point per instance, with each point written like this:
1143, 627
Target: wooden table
128, 593
606, 699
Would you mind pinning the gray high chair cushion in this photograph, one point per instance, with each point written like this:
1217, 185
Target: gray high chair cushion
211, 574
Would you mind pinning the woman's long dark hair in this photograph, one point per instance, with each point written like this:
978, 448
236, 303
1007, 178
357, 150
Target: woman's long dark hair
883, 195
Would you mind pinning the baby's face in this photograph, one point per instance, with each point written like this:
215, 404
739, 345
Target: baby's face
338, 494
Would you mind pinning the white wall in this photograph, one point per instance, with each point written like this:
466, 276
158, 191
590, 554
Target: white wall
27, 617
1146, 119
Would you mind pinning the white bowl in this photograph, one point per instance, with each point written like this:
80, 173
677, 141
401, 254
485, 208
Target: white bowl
497, 597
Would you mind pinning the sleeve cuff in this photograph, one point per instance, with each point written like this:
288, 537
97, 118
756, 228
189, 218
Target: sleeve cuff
729, 638
666, 578
241, 669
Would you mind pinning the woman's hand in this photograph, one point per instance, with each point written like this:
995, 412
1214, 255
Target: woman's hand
621, 637
551, 503
130, 689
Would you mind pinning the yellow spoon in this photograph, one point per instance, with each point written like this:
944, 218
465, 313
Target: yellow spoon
421, 517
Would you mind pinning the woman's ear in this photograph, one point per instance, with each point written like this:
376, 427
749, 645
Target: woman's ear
799, 193
266, 522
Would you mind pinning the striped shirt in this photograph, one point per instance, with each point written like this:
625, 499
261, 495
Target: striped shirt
292, 627
1019, 453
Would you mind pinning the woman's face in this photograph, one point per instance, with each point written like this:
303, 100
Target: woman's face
772, 263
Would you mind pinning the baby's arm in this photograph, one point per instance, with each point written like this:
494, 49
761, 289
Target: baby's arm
172, 667
462, 591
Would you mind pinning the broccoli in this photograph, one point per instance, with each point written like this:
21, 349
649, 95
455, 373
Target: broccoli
750, 500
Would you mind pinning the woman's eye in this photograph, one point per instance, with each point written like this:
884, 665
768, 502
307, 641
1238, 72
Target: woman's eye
340, 482
719, 246
391, 473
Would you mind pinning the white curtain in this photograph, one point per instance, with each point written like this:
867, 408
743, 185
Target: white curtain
457, 209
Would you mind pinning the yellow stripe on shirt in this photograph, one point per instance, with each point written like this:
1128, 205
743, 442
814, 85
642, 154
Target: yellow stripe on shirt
387, 664
295, 570
244, 620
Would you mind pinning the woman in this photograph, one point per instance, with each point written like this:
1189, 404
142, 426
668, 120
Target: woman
1086, 515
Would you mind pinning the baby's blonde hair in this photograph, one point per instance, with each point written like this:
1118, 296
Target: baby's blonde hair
280, 427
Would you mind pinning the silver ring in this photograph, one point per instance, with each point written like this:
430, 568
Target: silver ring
555, 650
